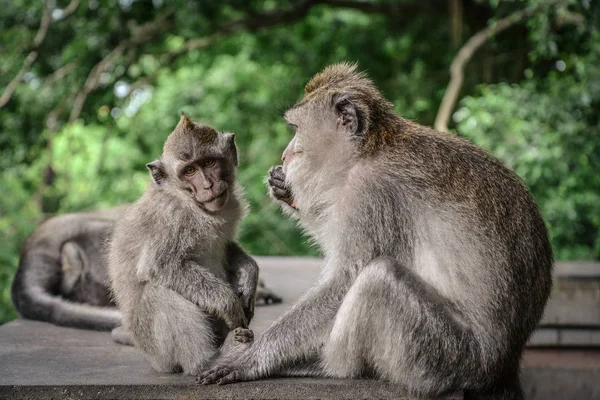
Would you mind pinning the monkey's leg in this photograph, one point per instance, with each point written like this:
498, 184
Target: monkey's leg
394, 326
72, 264
173, 332
79, 282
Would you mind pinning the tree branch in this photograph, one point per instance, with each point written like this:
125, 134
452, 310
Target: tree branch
59, 74
31, 57
142, 34
37, 42
464, 56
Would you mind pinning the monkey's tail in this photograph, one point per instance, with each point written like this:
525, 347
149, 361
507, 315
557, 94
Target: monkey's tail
33, 301
41, 306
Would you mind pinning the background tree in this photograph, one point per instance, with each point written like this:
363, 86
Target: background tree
91, 88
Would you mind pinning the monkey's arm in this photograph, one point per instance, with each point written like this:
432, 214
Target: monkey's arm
295, 337
200, 286
244, 271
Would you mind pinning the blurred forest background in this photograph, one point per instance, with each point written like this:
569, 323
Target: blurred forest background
91, 88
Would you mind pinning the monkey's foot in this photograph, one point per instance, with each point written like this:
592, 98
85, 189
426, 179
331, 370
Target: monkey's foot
265, 297
243, 335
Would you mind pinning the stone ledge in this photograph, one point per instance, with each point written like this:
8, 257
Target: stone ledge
288, 388
41, 361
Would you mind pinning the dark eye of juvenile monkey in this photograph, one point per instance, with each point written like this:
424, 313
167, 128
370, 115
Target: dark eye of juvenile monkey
209, 163
189, 170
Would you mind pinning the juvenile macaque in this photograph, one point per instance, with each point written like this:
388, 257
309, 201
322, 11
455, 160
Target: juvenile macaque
437, 261
178, 277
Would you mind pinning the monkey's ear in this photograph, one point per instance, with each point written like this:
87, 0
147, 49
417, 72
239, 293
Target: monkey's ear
350, 117
157, 170
230, 139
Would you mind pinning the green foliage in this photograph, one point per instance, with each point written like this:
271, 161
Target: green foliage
549, 134
541, 121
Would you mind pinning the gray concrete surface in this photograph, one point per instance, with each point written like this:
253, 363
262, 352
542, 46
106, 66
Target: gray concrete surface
572, 315
42, 361
39, 360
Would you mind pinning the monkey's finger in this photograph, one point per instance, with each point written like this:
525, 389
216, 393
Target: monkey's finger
272, 299
280, 193
277, 173
209, 372
278, 169
276, 182
213, 377
244, 338
235, 376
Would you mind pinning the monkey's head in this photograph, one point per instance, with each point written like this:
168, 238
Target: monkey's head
341, 118
197, 164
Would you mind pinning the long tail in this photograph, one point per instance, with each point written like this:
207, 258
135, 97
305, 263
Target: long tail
33, 300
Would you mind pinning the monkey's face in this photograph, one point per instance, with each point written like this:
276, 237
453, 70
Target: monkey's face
205, 180
320, 143
197, 164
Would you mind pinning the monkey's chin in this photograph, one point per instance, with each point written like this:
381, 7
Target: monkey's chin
217, 203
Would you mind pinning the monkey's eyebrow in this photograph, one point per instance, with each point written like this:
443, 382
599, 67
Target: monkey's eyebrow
290, 123
185, 155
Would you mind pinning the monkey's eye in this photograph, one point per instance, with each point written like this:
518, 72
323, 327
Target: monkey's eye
209, 163
189, 170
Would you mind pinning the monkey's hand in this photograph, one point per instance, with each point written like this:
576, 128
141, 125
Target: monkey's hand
278, 188
235, 316
248, 301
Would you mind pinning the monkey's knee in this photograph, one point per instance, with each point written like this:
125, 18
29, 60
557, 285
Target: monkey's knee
344, 352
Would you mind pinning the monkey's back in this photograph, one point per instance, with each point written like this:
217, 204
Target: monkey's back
477, 234
40, 269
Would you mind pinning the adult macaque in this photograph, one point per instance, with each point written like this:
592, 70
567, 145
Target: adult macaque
178, 277
62, 273
437, 261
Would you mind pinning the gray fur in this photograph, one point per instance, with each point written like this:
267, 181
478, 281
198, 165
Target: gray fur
178, 277
437, 261
61, 277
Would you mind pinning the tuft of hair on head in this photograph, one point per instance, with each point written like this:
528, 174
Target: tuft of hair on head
336, 75
185, 119
187, 131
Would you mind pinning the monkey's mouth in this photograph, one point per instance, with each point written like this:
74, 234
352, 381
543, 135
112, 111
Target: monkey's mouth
219, 196
215, 203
